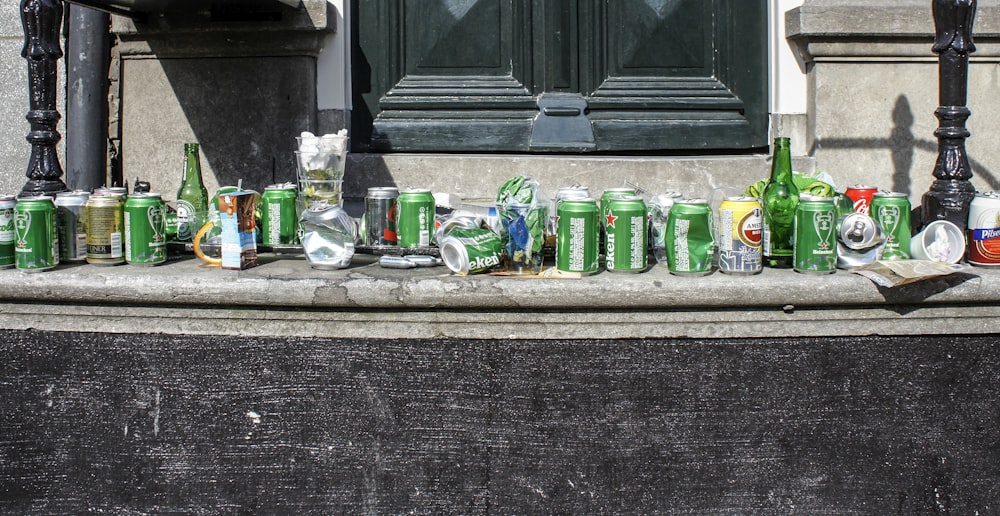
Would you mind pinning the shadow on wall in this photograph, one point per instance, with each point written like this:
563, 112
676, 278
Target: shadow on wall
903, 145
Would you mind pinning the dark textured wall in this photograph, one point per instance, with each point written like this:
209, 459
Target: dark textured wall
129, 424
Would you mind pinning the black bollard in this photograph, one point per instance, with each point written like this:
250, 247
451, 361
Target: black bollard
951, 193
41, 20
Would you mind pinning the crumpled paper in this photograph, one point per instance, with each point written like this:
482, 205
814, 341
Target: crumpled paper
900, 272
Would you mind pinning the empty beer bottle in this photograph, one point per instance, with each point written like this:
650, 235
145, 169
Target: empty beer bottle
779, 200
192, 197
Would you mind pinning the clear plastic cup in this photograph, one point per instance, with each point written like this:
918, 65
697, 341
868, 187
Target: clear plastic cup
316, 190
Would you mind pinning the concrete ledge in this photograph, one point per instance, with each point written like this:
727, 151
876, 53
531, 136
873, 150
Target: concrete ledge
285, 297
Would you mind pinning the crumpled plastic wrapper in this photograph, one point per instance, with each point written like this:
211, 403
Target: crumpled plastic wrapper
901, 272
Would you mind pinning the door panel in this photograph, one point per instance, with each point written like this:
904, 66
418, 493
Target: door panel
650, 75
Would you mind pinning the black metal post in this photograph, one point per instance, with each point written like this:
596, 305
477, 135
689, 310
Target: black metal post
87, 61
951, 193
41, 20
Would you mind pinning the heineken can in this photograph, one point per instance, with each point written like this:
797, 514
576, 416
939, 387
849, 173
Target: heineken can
814, 235
740, 231
611, 193
36, 236
7, 205
689, 238
576, 236
381, 215
105, 226
279, 223
983, 230
145, 229
471, 250
892, 211
625, 248
72, 221
566, 193
415, 223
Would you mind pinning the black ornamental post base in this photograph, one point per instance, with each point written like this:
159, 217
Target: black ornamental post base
951, 193
41, 20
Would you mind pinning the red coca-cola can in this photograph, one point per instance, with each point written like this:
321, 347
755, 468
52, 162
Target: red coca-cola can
862, 196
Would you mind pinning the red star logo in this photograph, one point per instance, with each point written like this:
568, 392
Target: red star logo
611, 220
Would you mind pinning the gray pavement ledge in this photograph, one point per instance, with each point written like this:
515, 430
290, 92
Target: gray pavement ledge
284, 296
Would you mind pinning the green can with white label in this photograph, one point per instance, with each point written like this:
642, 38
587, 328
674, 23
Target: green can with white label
7, 205
145, 229
36, 235
577, 230
471, 250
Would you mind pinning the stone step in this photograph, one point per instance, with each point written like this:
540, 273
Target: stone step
477, 177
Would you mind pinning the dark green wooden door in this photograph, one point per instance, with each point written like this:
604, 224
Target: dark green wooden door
560, 76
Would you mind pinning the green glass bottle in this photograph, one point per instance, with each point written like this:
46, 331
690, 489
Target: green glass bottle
192, 197
779, 200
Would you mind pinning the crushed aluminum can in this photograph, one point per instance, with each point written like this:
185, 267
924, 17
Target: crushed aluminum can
328, 236
860, 240
657, 210
457, 219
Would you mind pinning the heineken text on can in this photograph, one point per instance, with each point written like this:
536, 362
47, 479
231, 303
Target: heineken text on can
576, 236
984, 229
471, 250
35, 234
625, 223
892, 211
7, 205
416, 218
740, 231
72, 221
145, 229
105, 226
815, 235
381, 216
689, 238
279, 225
861, 196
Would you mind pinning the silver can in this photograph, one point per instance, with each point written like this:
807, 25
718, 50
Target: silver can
328, 236
72, 222
860, 240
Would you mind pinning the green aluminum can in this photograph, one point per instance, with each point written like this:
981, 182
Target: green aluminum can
145, 229
415, 225
577, 231
689, 239
72, 221
611, 193
279, 225
471, 250
814, 234
36, 234
626, 244
892, 211
7, 205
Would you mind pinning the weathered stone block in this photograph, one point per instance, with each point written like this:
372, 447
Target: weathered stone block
245, 113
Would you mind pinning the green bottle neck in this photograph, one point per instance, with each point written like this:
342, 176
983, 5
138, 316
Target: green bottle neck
781, 164
192, 168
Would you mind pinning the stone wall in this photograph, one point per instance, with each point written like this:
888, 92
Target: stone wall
873, 89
